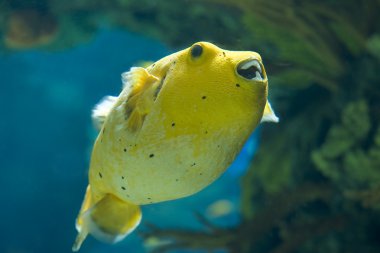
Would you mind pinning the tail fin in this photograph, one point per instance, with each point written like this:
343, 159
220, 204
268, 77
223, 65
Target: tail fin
109, 220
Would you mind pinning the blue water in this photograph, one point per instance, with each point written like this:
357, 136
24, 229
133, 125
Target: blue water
46, 137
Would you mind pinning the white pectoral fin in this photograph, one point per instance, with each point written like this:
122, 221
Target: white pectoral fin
101, 111
269, 115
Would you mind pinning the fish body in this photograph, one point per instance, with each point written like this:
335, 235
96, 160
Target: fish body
175, 127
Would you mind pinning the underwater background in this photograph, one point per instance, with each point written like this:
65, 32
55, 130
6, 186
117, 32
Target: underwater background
308, 184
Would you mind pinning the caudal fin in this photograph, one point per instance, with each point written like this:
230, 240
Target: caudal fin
109, 220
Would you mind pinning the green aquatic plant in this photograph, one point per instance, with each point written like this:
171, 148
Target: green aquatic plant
373, 45
369, 198
350, 157
314, 37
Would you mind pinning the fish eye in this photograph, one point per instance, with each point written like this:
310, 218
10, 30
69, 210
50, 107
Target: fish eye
251, 69
196, 51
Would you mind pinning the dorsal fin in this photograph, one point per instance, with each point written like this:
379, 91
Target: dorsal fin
139, 86
269, 115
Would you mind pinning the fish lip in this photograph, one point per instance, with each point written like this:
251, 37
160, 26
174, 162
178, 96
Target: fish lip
251, 69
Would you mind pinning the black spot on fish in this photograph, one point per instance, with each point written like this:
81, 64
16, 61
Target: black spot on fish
204, 97
224, 54
151, 155
100, 175
104, 130
149, 198
154, 64
206, 132
125, 150
177, 180
237, 85
173, 124
193, 164
218, 146
123, 188
200, 174
122, 177
158, 89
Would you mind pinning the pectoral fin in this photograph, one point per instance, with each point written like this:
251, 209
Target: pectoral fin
101, 111
269, 115
142, 86
136, 78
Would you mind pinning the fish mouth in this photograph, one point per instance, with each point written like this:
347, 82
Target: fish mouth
250, 69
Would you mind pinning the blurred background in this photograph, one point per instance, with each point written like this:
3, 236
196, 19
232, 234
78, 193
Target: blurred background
308, 184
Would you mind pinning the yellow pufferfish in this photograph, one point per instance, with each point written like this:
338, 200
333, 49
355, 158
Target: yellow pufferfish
174, 128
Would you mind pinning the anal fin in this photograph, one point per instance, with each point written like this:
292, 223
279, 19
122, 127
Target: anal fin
79, 223
109, 220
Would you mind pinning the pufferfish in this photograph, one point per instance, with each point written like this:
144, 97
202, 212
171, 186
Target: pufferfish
175, 127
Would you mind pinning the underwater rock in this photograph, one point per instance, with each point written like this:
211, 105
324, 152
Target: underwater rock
29, 28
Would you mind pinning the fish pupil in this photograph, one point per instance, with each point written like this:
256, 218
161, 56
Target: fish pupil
196, 51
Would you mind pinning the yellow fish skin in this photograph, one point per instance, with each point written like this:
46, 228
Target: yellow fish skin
175, 127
